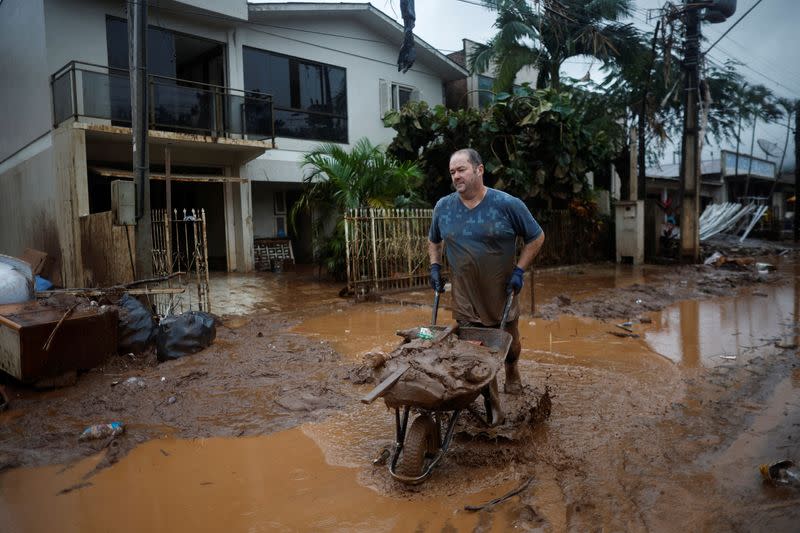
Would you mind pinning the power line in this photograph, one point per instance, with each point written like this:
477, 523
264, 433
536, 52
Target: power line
717, 62
772, 68
733, 26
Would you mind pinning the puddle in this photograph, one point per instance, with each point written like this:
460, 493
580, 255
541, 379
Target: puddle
276, 482
712, 332
577, 282
365, 327
238, 294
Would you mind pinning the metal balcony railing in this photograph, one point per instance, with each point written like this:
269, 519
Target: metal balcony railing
84, 90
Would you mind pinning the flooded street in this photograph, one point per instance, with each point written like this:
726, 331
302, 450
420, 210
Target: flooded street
659, 430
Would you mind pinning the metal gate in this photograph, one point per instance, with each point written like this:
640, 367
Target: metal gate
387, 249
180, 254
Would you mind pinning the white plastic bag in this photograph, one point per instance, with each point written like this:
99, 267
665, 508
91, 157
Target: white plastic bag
16, 280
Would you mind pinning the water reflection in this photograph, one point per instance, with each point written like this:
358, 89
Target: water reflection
714, 331
277, 482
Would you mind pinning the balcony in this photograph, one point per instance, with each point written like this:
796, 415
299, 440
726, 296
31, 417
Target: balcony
96, 93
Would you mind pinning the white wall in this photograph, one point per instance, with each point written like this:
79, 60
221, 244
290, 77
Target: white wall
24, 78
28, 206
230, 8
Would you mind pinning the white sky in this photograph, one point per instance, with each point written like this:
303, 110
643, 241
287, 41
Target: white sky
766, 41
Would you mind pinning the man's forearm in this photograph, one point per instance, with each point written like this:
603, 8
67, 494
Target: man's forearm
530, 251
435, 252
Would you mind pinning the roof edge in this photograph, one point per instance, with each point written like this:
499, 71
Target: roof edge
359, 7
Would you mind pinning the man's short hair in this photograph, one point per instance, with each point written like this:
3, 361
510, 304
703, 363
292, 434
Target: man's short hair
474, 156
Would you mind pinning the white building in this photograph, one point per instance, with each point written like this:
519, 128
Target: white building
477, 89
238, 92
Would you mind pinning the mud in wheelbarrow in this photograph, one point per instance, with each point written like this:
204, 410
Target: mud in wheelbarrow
435, 380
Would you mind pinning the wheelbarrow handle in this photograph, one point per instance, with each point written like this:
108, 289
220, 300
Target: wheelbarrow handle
507, 310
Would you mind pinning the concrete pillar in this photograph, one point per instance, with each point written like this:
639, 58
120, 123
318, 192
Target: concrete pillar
230, 224
69, 158
235, 61
246, 259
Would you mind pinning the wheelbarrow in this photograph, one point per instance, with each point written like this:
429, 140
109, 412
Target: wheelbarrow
418, 449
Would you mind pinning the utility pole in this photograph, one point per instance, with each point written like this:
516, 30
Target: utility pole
137, 65
796, 168
690, 156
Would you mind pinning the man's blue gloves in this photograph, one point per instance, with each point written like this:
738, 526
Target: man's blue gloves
437, 283
515, 282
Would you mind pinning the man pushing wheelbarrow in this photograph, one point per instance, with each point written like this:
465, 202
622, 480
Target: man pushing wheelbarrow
480, 226
439, 371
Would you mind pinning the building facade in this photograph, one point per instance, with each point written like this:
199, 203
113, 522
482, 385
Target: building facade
237, 93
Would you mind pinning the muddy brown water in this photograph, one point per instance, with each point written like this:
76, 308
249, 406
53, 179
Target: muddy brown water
660, 432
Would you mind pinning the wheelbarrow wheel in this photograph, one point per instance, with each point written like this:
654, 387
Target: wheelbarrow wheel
420, 441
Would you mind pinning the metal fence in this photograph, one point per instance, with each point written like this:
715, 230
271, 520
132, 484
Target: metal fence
87, 90
387, 249
180, 253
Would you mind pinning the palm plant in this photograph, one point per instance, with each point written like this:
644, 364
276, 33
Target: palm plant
758, 104
789, 107
338, 180
546, 38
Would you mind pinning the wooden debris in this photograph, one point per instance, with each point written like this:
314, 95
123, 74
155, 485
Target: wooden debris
501, 499
620, 334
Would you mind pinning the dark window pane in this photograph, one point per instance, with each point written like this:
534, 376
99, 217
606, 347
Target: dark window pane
117, 40
62, 97
338, 90
181, 107
269, 74
306, 125
278, 85
160, 48
485, 96
161, 53
405, 96
304, 95
254, 113
310, 93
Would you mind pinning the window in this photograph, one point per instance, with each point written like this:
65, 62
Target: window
394, 96
310, 99
280, 202
400, 96
485, 90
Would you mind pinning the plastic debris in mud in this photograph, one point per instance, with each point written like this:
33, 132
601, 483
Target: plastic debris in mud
425, 334
784, 472
184, 334
101, 431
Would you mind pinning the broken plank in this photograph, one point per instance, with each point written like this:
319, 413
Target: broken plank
384, 385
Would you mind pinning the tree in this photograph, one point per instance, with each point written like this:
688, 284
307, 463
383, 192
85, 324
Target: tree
339, 180
789, 108
561, 29
759, 104
536, 144
625, 83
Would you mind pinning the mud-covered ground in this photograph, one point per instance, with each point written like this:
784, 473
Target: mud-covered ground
633, 444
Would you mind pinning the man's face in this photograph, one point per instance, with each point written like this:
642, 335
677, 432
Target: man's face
466, 178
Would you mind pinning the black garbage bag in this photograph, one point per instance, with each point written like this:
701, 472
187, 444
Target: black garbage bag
408, 52
184, 334
137, 329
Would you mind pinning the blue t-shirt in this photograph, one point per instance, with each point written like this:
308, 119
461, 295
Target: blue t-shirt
480, 244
